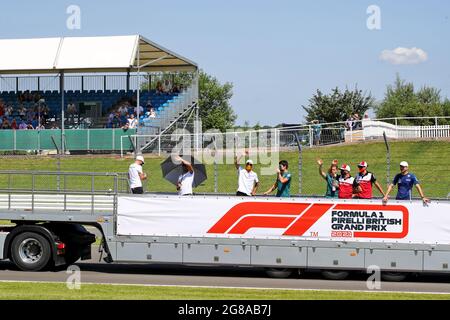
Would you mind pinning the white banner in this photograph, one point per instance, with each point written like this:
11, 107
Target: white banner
275, 218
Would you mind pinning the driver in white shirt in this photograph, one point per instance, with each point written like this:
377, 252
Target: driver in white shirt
136, 175
248, 179
186, 179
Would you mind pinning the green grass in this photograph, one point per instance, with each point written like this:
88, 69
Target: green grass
59, 291
426, 158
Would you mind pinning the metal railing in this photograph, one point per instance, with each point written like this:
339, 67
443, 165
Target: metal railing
80, 192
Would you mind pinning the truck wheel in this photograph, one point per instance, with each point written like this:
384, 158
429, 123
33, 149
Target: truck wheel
278, 273
335, 274
393, 276
30, 251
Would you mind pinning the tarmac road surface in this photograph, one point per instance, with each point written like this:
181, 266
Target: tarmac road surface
94, 271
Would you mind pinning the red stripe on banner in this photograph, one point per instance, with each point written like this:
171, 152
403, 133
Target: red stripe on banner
378, 207
308, 219
260, 222
261, 208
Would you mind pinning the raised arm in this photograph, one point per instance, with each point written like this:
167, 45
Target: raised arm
321, 172
188, 165
185, 162
236, 161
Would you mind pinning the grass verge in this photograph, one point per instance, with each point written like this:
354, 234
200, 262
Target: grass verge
59, 291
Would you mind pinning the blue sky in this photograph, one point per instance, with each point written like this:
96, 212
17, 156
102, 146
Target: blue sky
276, 53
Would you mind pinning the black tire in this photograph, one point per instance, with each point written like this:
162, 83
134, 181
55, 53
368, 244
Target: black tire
279, 273
30, 251
335, 274
393, 276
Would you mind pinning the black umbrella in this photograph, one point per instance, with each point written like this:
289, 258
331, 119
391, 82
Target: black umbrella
172, 169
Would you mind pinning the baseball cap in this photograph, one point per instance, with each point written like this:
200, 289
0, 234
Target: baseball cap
141, 158
249, 162
362, 164
345, 167
404, 164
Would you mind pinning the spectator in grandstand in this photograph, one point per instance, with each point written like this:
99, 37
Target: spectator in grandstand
71, 111
110, 119
2, 109
14, 124
283, 181
116, 120
22, 111
317, 130
136, 175
364, 181
6, 124
30, 126
186, 179
151, 113
141, 111
345, 183
247, 179
123, 110
125, 127
30, 114
22, 125
167, 86
36, 97
405, 181
176, 89
35, 122
8, 110
331, 178
159, 88
54, 126
132, 122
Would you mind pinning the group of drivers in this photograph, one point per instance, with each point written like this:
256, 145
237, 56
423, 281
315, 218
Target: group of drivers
339, 181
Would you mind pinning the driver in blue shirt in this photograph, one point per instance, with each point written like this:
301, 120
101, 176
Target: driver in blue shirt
405, 181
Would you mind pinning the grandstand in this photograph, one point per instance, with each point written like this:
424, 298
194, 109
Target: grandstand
82, 82
104, 100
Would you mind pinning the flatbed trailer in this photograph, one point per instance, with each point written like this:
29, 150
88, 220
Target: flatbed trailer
282, 235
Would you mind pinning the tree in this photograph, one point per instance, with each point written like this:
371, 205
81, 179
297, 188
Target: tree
401, 100
214, 103
337, 106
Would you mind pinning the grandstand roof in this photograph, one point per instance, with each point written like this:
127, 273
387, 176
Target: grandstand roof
88, 54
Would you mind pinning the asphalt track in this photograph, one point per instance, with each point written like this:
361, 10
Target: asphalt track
93, 271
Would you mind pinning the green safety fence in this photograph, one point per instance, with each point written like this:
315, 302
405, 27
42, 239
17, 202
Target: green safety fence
75, 139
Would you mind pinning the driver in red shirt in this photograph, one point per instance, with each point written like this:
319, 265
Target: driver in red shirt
364, 181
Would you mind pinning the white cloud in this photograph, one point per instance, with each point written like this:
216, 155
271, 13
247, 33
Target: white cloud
404, 56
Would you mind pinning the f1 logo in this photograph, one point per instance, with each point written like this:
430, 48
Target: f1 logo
296, 218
